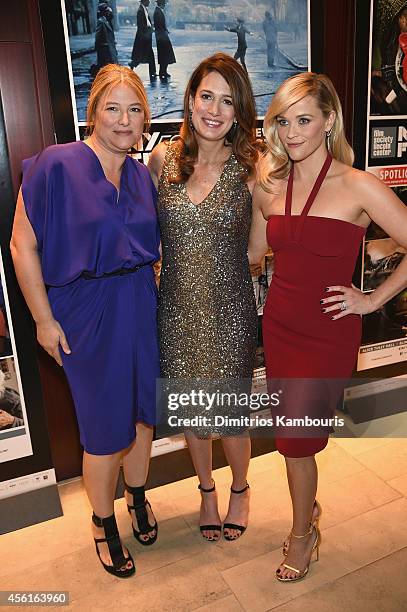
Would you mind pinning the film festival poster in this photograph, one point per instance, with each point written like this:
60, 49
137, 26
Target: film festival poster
15, 441
384, 338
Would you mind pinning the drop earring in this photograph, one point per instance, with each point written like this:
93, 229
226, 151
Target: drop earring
230, 135
328, 139
191, 125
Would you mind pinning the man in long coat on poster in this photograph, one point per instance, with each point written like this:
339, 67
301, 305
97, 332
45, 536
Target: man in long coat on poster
165, 52
105, 43
143, 44
270, 32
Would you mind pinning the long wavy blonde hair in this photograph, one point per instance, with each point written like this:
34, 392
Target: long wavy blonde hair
275, 162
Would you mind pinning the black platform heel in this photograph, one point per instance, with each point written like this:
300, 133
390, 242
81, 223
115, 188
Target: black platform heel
239, 528
114, 545
139, 506
216, 528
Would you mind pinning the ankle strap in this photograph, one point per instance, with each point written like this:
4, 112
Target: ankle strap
200, 487
101, 522
241, 490
139, 497
311, 527
135, 490
112, 540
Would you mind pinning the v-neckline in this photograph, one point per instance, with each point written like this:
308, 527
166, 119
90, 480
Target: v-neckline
118, 191
213, 187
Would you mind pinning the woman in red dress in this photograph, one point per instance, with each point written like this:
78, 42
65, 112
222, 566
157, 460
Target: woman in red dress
312, 208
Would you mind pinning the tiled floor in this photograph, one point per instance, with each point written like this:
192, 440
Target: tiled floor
363, 562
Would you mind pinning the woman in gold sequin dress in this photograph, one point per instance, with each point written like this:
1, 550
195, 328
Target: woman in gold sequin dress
207, 313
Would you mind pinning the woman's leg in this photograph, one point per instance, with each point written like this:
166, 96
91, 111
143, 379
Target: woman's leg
302, 476
238, 451
136, 461
201, 454
100, 473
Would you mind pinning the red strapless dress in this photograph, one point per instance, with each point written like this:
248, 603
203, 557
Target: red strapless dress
300, 342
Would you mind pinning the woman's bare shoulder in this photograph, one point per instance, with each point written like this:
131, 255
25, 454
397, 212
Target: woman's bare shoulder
158, 154
263, 197
361, 182
156, 160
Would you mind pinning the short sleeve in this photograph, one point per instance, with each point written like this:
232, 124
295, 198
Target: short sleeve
78, 222
36, 190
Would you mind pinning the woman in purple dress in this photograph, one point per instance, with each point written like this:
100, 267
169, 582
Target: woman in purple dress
84, 240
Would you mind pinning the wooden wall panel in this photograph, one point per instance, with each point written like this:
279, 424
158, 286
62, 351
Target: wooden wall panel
14, 21
333, 49
20, 104
24, 86
339, 53
66, 450
41, 77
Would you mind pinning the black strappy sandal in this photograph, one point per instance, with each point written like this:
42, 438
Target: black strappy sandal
240, 528
114, 545
217, 528
139, 506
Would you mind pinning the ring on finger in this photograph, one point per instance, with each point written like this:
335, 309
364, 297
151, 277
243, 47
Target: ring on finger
344, 305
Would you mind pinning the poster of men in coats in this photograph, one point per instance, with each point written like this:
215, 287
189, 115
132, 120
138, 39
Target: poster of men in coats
143, 43
105, 43
164, 40
165, 52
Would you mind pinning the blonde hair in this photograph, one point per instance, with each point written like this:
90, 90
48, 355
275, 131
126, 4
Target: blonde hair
275, 162
108, 77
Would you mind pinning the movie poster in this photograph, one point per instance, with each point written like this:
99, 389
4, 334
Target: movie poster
164, 41
15, 441
388, 58
384, 338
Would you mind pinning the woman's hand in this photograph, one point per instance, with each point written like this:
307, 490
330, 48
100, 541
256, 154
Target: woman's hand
50, 335
350, 300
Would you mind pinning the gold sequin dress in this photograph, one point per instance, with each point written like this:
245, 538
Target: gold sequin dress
207, 313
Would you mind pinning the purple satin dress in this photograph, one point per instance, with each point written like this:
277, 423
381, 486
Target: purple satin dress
85, 230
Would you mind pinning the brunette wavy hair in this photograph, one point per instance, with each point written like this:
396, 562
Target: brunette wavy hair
242, 137
275, 163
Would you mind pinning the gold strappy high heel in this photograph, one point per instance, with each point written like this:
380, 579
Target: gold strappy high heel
314, 523
315, 546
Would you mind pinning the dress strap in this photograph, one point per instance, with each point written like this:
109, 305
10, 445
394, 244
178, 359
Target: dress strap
314, 192
289, 194
288, 202
317, 185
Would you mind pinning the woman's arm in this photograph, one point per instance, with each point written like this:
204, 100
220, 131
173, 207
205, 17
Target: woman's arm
258, 246
29, 274
156, 162
384, 208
